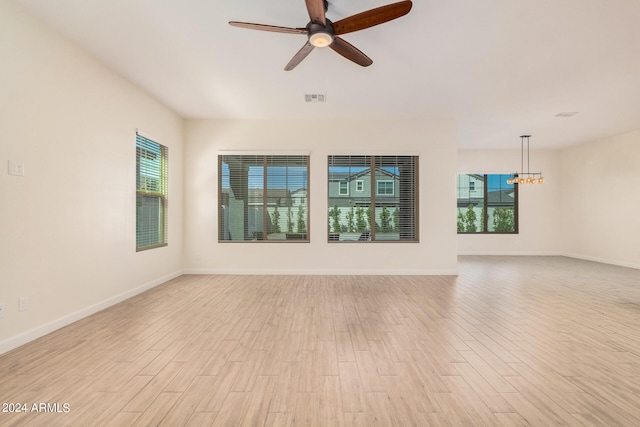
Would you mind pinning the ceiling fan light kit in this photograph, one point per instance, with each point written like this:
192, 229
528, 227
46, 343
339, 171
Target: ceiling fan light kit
319, 35
321, 32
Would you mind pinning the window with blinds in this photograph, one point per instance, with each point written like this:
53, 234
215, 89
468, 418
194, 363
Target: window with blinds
263, 198
373, 198
151, 193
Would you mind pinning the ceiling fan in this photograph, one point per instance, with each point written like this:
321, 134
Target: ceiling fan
321, 32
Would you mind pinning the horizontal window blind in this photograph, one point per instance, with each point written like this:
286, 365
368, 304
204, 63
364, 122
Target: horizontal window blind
151, 193
397, 207
373, 198
263, 198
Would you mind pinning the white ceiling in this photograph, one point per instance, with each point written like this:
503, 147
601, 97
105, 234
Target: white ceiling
500, 67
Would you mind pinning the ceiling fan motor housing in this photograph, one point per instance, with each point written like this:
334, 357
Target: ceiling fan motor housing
320, 35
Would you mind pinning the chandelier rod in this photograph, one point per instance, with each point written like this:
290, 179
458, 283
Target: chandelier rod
528, 155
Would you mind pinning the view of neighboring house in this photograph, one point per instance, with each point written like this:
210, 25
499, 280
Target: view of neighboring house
350, 199
470, 190
486, 198
347, 188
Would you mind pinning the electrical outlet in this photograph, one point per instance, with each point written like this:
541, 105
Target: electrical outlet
22, 304
16, 168
2, 311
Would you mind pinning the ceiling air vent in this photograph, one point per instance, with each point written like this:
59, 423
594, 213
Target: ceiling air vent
315, 97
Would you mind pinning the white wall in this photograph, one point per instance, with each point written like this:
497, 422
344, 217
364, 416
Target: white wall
539, 205
434, 141
601, 200
67, 228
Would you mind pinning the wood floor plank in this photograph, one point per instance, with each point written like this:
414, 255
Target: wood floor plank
157, 410
328, 358
201, 419
189, 372
487, 393
477, 409
358, 337
272, 363
307, 410
488, 372
351, 389
369, 375
344, 347
382, 359
233, 409
331, 410
249, 371
309, 376
219, 358
224, 382
405, 402
286, 388
279, 419
185, 408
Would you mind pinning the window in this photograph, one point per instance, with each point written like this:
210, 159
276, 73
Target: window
344, 188
263, 198
385, 188
487, 204
384, 206
151, 194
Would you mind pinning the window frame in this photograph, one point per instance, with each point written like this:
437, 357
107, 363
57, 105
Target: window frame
145, 144
359, 185
486, 206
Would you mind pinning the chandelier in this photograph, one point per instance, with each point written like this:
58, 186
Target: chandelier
523, 177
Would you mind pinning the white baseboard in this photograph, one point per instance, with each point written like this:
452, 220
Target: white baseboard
603, 261
510, 253
42, 330
254, 272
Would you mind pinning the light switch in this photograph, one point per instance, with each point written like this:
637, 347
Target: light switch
16, 168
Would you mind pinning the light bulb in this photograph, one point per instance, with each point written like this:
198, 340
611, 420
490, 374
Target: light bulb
540, 180
510, 181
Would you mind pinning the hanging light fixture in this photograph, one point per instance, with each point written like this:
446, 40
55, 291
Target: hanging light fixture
523, 177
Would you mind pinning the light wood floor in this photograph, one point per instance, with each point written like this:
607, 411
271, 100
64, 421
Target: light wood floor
511, 341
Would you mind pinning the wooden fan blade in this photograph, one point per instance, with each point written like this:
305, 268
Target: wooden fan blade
372, 17
316, 11
298, 57
271, 28
350, 52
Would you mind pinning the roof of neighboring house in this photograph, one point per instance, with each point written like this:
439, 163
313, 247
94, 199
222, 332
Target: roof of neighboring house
495, 198
505, 196
350, 176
